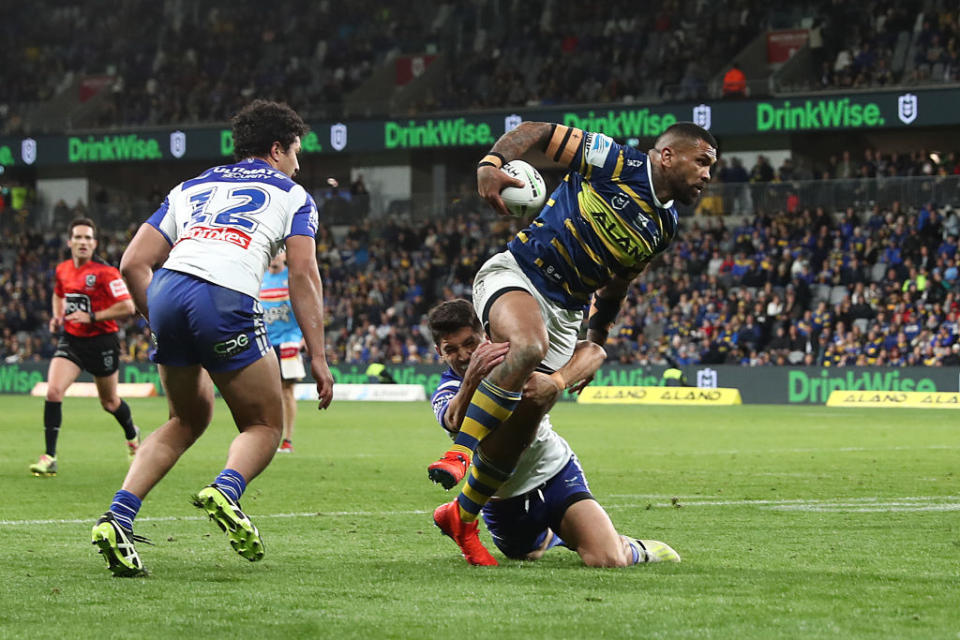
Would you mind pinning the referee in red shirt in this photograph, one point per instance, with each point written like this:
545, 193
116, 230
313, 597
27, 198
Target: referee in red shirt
88, 298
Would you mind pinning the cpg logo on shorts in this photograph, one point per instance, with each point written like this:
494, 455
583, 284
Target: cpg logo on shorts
231, 346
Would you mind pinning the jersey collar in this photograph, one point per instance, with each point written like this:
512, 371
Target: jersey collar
653, 192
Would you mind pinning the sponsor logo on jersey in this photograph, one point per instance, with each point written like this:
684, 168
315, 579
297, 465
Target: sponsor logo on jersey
597, 147
118, 288
77, 302
223, 234
232, 346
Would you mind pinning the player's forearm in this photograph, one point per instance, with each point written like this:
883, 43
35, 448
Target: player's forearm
516, 142
306, 298
604, 309
121, 309
457, 407
587, 358
58, 306
138, 278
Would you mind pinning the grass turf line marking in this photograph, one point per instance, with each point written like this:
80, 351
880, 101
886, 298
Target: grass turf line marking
863, 505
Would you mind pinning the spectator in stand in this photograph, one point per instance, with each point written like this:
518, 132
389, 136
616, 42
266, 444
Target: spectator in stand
734, 82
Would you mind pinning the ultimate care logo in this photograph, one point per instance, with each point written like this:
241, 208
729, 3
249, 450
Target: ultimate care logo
223, 234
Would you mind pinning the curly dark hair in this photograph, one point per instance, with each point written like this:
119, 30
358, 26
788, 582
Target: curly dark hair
261, 123
450, 316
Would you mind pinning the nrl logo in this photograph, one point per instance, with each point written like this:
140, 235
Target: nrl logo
338, 136
907, 108
28, 150
511, 122
178, 144
619, 201
702, 115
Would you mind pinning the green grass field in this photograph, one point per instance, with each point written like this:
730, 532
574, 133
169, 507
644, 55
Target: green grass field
792, 522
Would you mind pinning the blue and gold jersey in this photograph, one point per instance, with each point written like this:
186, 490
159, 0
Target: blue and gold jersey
604, 220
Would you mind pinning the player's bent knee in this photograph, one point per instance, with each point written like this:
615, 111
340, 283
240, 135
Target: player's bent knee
528, 354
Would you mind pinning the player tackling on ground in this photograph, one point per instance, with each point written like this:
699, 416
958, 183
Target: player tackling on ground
612, 214
88, 299
215, 236
547, 494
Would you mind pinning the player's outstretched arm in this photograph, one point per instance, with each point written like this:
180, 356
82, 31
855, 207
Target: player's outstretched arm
587, 359
306, 298
148, 248
545, 390
511, 145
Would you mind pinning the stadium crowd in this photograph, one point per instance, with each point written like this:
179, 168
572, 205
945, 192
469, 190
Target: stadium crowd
870, 285
185, 63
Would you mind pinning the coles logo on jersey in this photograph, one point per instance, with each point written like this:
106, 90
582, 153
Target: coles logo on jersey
597, 148
118, 288
233, 236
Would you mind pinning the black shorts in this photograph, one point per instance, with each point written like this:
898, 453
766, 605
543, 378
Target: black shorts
100, 355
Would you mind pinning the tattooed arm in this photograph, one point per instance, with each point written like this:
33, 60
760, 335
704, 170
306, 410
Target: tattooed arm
511, 145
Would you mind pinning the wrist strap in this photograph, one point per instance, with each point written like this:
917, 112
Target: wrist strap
93, 317
492, 159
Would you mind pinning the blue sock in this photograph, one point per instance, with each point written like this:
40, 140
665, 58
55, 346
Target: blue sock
125, 507
231, 483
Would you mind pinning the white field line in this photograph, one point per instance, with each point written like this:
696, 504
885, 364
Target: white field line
726, 452
844, 505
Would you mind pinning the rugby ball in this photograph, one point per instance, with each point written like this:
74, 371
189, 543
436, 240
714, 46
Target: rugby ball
528, 199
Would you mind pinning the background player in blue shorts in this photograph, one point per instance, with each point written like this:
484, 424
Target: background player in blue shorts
215, 235
286, 338
547, 492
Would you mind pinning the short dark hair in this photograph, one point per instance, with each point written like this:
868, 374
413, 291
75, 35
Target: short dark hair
690, 131
450, 316
81, 222
261, 123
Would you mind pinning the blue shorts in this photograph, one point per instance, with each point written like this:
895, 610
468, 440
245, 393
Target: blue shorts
518, 525
197, 322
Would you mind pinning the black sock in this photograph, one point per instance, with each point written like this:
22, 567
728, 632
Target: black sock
52, 417
122, 414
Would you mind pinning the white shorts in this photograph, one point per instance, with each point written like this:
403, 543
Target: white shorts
501, 274
291, 364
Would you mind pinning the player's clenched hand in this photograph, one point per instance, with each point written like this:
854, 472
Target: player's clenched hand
485, 357
56, 323
321, 373
490, 182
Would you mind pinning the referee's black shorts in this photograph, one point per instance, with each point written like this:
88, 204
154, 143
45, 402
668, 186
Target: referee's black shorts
99, 355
